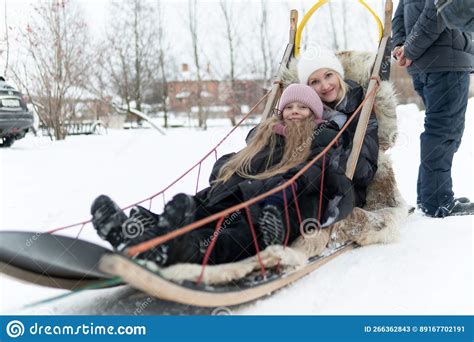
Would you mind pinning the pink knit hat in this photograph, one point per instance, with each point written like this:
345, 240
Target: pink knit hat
303, 94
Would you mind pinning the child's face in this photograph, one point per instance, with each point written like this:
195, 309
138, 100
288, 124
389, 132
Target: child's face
296, 111
326, 84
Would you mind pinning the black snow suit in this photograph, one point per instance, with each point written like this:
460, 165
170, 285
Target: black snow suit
235, 241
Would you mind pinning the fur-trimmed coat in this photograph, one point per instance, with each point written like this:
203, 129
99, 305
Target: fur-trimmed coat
384, 210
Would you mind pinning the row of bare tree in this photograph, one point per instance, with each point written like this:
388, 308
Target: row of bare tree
59, 60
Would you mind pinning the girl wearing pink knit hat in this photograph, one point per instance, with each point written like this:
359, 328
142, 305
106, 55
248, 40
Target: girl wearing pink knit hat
276, 150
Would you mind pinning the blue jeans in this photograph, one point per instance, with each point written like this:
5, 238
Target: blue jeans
445, 97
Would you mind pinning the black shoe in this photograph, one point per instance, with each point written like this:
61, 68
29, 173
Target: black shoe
420, 206
271, 227
107, 219
160, 254
141, 226
178, 212
462, 208
455, 208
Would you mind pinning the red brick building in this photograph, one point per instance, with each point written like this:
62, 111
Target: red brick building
218, 98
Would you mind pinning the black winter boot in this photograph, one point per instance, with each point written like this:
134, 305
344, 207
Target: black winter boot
141, 226
420, 206
271, 227
107, 219
179, 212
455, 208
462, 208
121, 231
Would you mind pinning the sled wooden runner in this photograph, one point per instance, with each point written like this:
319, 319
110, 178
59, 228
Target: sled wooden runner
153, 283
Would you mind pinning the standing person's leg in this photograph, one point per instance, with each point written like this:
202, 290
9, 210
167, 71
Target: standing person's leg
419, 84
446, 101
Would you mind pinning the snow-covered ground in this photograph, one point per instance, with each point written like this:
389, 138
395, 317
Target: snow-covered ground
46, 185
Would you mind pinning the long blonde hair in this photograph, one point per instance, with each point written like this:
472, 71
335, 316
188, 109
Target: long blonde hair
298, 139
343, 89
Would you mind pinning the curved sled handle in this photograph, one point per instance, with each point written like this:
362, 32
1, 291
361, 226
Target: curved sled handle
316, 7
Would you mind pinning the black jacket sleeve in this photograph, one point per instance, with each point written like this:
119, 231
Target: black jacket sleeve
218, 165
426, 30
222, 160
368, 157
250, 135
398, 26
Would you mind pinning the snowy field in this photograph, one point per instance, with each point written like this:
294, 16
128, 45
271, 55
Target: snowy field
46, 185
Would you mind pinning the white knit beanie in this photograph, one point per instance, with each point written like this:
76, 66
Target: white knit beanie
317, 58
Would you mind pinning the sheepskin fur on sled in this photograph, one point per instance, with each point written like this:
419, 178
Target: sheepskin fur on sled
377, 222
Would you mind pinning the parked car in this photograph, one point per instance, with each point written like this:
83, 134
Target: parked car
15, 117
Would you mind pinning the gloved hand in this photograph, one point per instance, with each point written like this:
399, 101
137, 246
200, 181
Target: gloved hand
336, 182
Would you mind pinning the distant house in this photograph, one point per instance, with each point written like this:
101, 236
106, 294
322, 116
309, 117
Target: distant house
217, 96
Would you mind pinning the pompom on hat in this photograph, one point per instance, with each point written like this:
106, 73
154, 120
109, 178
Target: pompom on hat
317, 58
303, 94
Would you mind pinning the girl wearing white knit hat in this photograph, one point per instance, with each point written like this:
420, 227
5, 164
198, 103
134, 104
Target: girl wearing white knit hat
320, 69
324, 73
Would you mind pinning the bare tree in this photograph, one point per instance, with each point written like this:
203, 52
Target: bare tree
161, 62
266, 46
99, 84
335, 44
263, 45
345, 24
305, 33
132, 49
193, 30
57, 63
231, 38
7, 42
